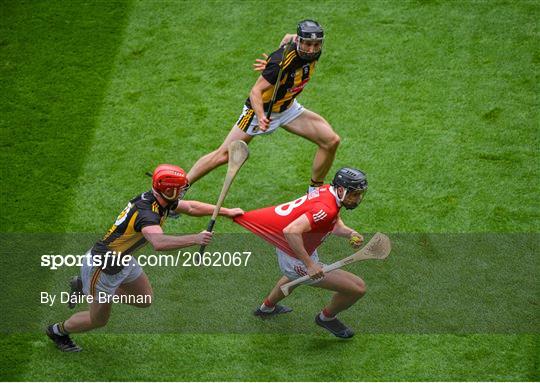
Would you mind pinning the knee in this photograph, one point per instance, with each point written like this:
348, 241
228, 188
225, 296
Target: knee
220, 156
147, 302
359, 289
332, 143
335, 141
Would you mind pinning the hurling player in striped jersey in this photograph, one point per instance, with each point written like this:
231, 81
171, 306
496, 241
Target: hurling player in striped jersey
109, 271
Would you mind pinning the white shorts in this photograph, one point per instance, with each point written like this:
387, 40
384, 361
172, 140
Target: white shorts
249, 123
95, 280
294, 268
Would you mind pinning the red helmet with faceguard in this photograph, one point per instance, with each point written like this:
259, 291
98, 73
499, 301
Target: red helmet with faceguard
170, 181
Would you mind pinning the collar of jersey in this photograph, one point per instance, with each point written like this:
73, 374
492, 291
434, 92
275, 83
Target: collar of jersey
331, 189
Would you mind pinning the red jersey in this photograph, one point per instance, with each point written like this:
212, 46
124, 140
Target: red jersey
321, 207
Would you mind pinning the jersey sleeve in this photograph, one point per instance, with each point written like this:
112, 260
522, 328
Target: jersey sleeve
146, 217
319, 215
271, 71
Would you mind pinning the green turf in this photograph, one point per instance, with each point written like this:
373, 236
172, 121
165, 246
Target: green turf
56, 65
437, 101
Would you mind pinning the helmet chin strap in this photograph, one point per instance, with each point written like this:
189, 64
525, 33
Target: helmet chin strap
344, 195
178, 195
174, 197
166, 198
343, 198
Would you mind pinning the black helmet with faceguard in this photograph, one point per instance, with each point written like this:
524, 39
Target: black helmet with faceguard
353, 181
309, 31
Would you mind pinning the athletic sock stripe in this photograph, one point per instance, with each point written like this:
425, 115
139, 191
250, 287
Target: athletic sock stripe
62, 328
267, 303
327, 313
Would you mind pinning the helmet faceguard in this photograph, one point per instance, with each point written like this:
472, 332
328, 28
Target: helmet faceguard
170, 182
354, 182
310, 40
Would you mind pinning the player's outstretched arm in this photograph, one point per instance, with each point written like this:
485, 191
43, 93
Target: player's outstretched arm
200, 209
293, 234
160, 241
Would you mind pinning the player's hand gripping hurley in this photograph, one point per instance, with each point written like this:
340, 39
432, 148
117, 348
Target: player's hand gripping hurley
238, 154
288, 48
377, 248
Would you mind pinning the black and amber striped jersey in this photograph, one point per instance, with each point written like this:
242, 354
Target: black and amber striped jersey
296, 73
125, 236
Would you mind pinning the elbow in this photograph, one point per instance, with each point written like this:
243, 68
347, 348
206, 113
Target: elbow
288, 230
255, 94
158, 246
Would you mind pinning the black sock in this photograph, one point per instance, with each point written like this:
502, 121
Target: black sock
316, 184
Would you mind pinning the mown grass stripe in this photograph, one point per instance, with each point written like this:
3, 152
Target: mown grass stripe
56, 61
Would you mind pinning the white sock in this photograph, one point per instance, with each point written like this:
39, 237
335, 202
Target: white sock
325, 318
267, 309
311, 188
58, 330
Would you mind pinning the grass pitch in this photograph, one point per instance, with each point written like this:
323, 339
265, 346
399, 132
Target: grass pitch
436, 101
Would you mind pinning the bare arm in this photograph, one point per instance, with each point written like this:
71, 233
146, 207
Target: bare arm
342, 230
256, 98
287, 38
293, 234
199, 209
160, 241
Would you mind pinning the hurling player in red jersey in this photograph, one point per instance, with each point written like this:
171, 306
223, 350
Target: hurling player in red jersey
297, 229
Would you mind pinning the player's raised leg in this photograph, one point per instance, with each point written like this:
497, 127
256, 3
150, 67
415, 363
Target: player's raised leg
348, 288
218, 157
316, 129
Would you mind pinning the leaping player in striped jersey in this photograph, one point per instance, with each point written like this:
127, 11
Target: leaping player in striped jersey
297, 229
298, 68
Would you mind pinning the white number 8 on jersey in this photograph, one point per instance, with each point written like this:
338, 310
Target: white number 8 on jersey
286, 208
